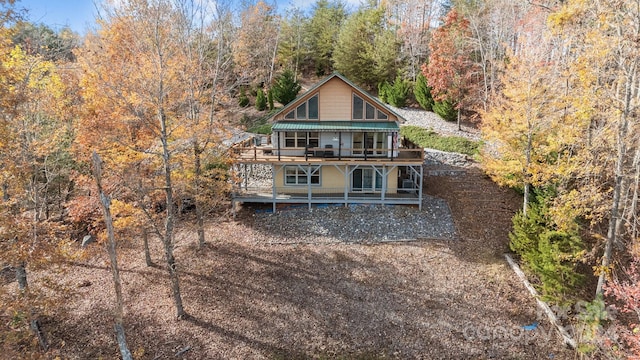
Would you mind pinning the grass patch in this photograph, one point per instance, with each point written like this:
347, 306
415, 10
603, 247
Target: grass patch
264, 129
427, 138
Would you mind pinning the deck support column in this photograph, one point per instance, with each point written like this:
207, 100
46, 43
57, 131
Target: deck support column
278, 137
346, 185
385, 175
273, 185
420, 187
309, 185
339, 145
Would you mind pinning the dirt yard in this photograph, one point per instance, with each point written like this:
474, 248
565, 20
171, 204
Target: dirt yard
251, 299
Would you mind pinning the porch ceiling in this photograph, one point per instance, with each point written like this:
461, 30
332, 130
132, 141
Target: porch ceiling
335, 126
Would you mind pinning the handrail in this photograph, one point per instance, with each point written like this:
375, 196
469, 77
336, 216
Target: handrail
339, 153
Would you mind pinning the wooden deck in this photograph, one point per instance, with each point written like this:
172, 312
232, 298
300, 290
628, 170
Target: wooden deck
267, 155
267, 196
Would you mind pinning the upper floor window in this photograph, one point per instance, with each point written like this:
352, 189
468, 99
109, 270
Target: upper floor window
308, 110
363, 110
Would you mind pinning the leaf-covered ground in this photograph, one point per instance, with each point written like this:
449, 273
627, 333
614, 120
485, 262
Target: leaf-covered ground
248, 298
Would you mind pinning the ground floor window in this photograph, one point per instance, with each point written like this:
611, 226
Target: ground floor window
297, 175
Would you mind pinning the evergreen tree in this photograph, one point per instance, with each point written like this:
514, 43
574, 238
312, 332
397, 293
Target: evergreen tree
422, 92
286, 88
270, 99
549, 253
261, 101
383, 91
243, 100
398, 92
446, 110
367, 50
322, 33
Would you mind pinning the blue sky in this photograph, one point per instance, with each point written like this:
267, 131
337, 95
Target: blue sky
77, 14
80, 14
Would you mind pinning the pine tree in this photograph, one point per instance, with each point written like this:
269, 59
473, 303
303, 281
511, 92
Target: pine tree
422, 92
243, 100
549, 253
445, 109
261, 101
286, 88
398, 92
270, 99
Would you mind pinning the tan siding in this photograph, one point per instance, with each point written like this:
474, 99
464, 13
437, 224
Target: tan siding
331, 180
335, 100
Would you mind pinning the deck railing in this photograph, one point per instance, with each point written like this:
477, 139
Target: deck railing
268, 154
302, 192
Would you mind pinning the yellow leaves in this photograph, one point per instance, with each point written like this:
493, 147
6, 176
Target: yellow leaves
126, 216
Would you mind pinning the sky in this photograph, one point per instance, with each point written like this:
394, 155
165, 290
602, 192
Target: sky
77, 14
80, 14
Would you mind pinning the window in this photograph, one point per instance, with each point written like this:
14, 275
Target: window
313, 108
297, 175
294, 139
371, 112
308, 110
357, 107
289, 139
363, 110
301, 111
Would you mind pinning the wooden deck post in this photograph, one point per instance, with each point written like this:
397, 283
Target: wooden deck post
346, 185
278, 136
339, 145
420, 187
273, 185
384, 181
309, 185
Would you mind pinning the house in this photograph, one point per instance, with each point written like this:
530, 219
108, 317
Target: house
333, 144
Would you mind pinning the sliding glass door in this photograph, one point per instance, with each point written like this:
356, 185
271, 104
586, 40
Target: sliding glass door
366, 180
374, 143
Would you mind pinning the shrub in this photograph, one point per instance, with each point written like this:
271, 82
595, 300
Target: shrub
261, 101
243, 100
428, 139
422, 92
270, 99
551, 255
264, 129
446, 110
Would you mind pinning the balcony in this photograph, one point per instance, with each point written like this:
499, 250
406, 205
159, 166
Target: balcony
268, 155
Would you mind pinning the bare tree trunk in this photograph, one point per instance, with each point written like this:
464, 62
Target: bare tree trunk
105, 201
21, 276
147, 253
198, 205
169, 223
5, 191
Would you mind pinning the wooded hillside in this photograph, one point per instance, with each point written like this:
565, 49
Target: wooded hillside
156, 85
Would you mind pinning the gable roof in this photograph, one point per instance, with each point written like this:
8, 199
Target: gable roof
292, 105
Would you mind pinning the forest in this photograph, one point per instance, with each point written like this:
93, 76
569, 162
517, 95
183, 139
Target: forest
116, 132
